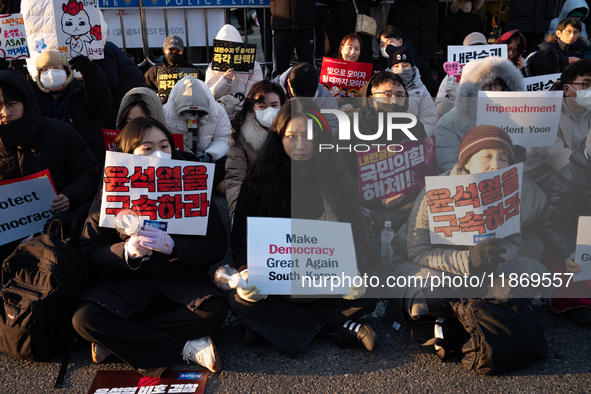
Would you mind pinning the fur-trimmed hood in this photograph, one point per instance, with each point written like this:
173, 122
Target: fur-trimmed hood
457, 4
252, 131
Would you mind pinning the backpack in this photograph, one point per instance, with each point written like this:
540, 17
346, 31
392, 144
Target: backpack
41, 283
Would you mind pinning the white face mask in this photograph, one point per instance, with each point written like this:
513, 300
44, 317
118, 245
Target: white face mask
161, 155
583, 98
53, 78
266, 116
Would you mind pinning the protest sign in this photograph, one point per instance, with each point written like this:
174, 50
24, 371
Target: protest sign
383, 173
169, 76
541, 82
530, 118
233, 55
343, 76
110, 135
583, 251
174, 195
13, 40
467, 209
283, 253
464, 54
25, 205
132, 382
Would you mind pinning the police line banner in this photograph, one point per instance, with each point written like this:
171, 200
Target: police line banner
583, 251
298, 256
464, 54
541, 82
120, 382
384, 173
110, 135
233, 55
25, 205
172, 195
468, 209
530, 118
13, 39
344, 77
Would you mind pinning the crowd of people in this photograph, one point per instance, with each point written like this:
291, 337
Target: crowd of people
150, 299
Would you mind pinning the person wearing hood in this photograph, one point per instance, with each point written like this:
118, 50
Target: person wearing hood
192, 111
573, 127
81, 103
172, 56
30, 143
567, 40
401, 62
577, 9
139, 102
250, 128
515, 45
230, 83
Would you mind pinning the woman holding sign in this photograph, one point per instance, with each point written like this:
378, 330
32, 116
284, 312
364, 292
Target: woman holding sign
152, 300
291, 180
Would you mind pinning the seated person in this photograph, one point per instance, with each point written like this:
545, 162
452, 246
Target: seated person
515, 45
545, 62
567, 40
576, 9
139, 102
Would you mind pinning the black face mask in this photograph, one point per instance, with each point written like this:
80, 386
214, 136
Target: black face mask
390, 107
174, 58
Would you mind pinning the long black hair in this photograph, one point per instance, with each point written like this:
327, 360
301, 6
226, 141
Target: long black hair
132, 135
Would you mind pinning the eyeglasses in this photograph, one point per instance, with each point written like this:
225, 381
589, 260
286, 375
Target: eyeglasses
389, 94
573, 32
11, 106
497, 85
584, 84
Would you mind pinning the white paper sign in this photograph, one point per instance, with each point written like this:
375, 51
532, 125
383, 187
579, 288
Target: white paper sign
284, 253
530, 118
541, 82
468, 209
583, 251
24, 208
464, 54
172, 195
13, 39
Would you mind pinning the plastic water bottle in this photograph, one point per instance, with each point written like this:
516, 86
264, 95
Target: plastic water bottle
387, 235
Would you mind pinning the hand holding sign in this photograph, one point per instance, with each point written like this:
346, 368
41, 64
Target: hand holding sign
451, 68
61, 203
487, 254
571, 266
157, 240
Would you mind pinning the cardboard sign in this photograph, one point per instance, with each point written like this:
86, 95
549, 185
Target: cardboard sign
583, 251
541, 82
106, 382
468, 209
343, 76
25, 205
383, 173
171, 195
464, 54
233, 55
13, 40
169, 76
110, 135
282, 253
530, 118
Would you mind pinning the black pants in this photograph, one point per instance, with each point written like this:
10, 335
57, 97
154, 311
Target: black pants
285, 40
152, 340
220, 170
291, 323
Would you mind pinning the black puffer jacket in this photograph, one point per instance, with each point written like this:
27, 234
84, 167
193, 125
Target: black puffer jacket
34, 143
293, 14
570, 198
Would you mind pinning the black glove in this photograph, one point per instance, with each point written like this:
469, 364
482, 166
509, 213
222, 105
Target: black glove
84, 65
204, 157
4, 64
487, 254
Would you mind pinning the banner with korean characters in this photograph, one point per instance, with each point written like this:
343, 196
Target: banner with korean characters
464, 54
13, 40
468, 209
298, 256
384, 173
530, 118
233, 55
541, 82
344, 77
172, 195
169, 76
110, 382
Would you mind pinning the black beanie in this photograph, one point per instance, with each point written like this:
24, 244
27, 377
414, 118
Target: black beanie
11, 93
401, 54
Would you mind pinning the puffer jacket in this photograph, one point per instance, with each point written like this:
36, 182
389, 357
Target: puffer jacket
421, 103
214, 128
241, 83
567, 8
570, 198
148, 96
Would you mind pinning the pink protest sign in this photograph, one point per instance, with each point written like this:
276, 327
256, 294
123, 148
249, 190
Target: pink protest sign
344, 76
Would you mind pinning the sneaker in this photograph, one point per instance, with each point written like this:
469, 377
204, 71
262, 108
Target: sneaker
580, 315
202, 351
439, 331
356, 334
99, 353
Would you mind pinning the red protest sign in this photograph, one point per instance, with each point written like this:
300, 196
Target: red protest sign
132, 382
109, 137
344, 76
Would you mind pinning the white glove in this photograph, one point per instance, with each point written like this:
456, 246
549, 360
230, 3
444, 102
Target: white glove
451, 89
355, 292
249, 293
155, 239
134, 248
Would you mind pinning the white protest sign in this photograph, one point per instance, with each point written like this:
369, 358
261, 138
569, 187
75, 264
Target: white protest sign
13, 40
530, 118
468, 209
541, 82
284, 253
172, 195
583, 251
25, 205
464, 54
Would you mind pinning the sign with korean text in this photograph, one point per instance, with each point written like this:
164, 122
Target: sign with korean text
25, 205
384, 173
468, 209
172, 4
110, 135
289, 256
169, 76
343, 76
541, 82
172, 195
583, 251
464, 54
13, 40
530, 118
233, 55
122, 382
